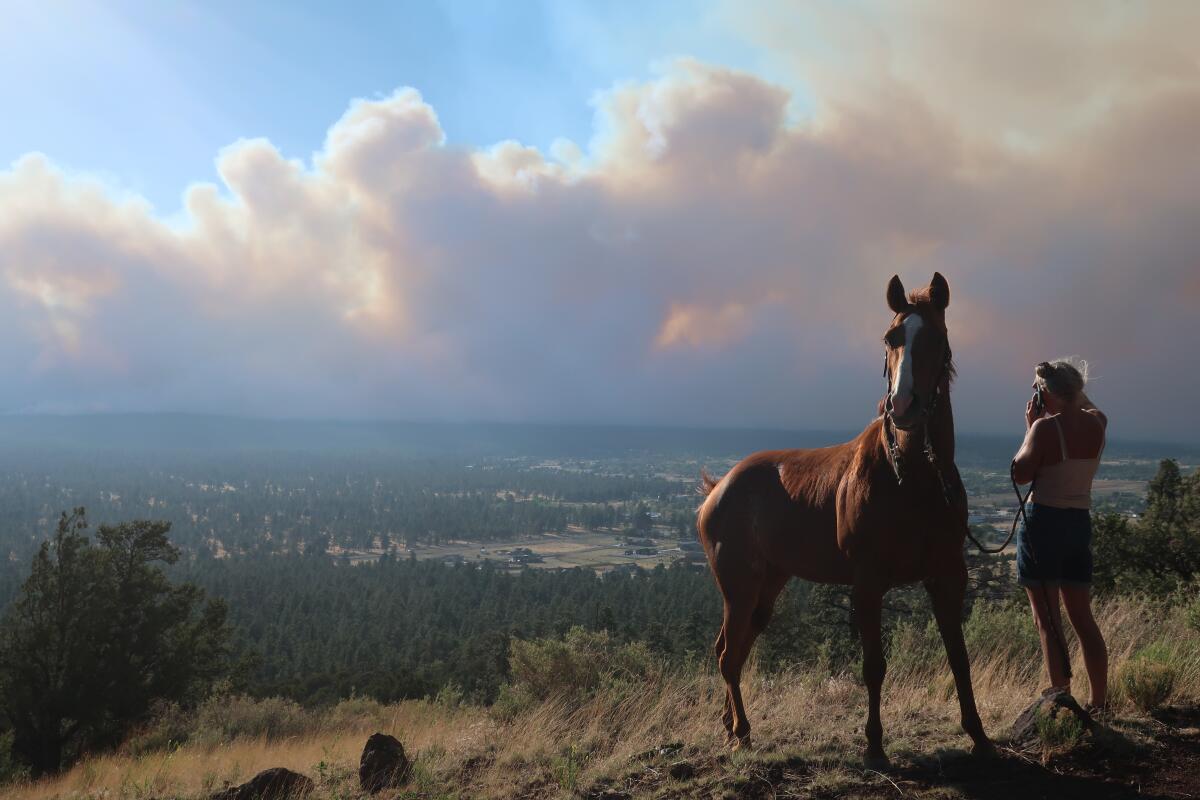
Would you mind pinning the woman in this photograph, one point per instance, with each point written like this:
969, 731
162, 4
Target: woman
1064, 438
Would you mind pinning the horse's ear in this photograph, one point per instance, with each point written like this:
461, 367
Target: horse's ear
895, 295
939, 291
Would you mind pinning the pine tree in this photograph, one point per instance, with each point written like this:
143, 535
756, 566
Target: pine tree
1160, 552
96, 635
47, 660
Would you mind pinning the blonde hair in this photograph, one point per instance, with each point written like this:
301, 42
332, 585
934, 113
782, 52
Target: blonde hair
1063, 377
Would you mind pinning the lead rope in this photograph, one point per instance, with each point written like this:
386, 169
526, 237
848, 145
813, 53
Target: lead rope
896, 459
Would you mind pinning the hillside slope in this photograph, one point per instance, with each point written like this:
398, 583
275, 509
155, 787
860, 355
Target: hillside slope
640, 731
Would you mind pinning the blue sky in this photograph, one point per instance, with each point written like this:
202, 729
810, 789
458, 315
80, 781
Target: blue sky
144, 94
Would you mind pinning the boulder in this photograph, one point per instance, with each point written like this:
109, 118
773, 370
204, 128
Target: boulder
1053, 704
383, 764
270, 784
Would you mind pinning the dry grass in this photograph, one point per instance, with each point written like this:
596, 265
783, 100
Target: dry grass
327, 754
627, 735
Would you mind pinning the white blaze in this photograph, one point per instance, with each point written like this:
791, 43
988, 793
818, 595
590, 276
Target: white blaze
902, 381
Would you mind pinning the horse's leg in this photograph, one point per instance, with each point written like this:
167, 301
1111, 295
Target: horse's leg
946, 594
727, 711
746, 616
868, 610
732, 659
736, 626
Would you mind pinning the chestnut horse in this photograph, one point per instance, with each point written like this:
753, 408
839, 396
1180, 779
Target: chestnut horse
885, 509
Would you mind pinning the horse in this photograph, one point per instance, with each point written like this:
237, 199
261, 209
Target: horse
885, 509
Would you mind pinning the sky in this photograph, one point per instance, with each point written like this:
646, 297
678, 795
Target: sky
659, 213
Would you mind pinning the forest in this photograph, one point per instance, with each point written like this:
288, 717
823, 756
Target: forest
225, 558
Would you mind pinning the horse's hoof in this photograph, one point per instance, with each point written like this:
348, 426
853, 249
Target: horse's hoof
741, 743
877, 762
984, 750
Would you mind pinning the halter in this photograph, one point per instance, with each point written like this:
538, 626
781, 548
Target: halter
896, 458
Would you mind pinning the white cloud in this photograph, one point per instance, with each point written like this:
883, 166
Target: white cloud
704, 261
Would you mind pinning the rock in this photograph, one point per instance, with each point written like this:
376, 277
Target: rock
681, 771
603, 789
270, 784
1054, 703
383, 764
613, 794
661, 751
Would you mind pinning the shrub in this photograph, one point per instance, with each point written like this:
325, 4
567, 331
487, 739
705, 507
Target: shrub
169, 726
568, 766
1148, 678
575, 666
450, 696
1058, 730
512, 702
223, 719
1003, 635
1192, 613
915, 651
10, 769
354, 712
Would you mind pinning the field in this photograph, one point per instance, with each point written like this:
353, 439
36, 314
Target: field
575, 547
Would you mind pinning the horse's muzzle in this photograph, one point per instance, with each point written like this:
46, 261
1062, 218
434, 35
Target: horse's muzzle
911, 417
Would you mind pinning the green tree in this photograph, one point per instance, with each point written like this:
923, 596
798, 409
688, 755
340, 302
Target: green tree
1161, 551
641, 519
97, 634
1165, 494
47, 662
165, 640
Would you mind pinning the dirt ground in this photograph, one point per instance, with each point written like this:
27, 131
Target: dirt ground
1155, 757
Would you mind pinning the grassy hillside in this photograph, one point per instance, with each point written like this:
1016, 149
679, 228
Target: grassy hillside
587, 718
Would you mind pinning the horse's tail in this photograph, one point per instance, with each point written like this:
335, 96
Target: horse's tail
707, 483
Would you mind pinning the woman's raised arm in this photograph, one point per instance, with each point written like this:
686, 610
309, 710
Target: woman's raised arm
1029, 457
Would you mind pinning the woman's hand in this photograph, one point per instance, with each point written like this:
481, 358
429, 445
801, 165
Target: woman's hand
1025, 464
1031, 414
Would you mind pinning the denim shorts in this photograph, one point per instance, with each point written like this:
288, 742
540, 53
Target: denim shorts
1055, 548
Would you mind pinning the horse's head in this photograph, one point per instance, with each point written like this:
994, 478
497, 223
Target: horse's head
918, 349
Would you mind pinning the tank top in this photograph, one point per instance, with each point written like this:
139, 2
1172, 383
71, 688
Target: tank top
1067, 484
